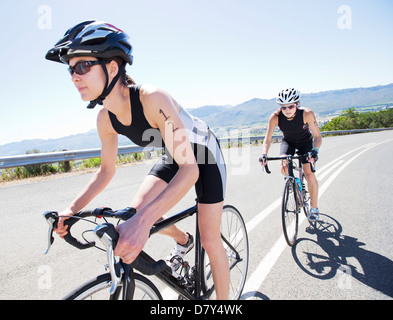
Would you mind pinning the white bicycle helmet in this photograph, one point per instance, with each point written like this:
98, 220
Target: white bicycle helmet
287, 96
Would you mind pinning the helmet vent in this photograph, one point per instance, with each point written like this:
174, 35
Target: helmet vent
126, 44
105, 29
88, 33
93, 42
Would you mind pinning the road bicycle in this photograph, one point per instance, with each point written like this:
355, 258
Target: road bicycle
295, 197
190, 282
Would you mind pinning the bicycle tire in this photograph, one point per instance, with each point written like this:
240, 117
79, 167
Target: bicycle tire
233, 230
290, 210
99, 288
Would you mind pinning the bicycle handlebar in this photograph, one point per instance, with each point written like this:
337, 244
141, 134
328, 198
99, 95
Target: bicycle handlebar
52, 218
109, 236
308, 156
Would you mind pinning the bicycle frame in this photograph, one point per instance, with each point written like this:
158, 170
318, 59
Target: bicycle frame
291, 176
169, 279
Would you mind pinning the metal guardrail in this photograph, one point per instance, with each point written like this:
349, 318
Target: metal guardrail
64, 156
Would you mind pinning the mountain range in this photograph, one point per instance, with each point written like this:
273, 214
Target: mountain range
247, 114
257, 111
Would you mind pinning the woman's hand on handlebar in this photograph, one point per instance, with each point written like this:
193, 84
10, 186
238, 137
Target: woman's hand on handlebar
132, 238
61, 228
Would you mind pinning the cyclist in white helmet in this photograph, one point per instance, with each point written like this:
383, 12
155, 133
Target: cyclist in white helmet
300, 132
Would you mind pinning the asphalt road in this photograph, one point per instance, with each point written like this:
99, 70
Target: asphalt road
349, 257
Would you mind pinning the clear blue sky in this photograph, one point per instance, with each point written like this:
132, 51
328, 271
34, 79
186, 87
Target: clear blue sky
202, 52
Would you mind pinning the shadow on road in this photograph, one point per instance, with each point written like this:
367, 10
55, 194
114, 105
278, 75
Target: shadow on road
253, 295
335, 254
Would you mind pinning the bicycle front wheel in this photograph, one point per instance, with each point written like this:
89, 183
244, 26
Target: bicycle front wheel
235, 241
290, 217
98, 289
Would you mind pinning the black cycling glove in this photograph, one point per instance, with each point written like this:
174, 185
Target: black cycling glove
314, 153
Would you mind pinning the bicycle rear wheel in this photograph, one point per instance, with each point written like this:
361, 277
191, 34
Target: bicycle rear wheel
235, 241
290, 210
98, 289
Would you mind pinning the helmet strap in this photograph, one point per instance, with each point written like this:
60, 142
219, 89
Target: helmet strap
107, 89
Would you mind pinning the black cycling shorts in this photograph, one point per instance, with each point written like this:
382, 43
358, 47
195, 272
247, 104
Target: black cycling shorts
210, 187
289, 148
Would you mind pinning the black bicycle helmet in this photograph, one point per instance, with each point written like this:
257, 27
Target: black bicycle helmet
92, 38
96, 39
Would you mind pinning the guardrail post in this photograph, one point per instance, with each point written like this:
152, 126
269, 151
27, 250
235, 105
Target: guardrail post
66, 164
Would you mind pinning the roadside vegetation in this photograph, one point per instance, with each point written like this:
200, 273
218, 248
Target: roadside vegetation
350, 119
36, 170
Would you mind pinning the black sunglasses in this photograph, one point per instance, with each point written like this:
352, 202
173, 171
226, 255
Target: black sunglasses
82, 67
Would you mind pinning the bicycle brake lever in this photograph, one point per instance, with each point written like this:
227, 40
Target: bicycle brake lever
51, 217
309, 159
108, 235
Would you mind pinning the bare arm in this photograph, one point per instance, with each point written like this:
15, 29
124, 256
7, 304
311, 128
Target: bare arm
104, 174
273, 122
163, 113
310, 119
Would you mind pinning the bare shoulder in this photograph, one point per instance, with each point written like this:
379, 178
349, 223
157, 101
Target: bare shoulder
104, 125
150, 94
157, 103
307, 111
308, 115
274, 117
310, 119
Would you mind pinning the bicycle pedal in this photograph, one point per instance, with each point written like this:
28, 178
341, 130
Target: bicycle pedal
176, 262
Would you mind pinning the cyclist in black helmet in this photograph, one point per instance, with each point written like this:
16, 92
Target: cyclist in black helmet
97, 53
301, 132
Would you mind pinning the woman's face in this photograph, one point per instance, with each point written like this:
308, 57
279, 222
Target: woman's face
289, 109
91, 84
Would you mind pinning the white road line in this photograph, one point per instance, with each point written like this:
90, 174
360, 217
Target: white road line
256, 279
327, 172
262, 215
